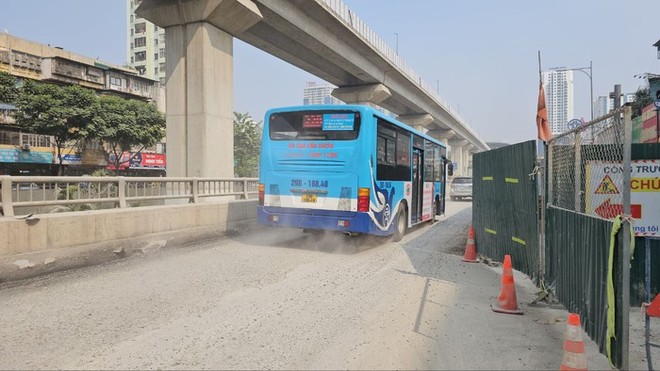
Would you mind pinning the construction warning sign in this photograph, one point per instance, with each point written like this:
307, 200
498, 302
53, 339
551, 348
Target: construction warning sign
607, 187
604, 182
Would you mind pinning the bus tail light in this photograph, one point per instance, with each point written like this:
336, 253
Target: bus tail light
262, 189
363, 200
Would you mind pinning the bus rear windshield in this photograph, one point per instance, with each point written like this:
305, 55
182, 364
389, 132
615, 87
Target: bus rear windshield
314, 125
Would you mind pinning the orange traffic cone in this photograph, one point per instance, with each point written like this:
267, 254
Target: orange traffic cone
574, 358
506, 302
470, 250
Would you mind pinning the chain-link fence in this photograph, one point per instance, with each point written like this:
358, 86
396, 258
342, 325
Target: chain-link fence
585, 167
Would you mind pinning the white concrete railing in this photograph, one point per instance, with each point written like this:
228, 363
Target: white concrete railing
360, 27
109, 192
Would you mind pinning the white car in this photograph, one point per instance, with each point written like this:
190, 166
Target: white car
461, 187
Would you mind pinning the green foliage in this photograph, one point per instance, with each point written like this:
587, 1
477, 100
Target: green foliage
101, 172
642, 99
8, 90
121, 124
247, 145
62, 112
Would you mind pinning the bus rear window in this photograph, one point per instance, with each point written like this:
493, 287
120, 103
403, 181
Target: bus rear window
314, 125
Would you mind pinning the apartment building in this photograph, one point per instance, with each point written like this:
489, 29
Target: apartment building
26, 153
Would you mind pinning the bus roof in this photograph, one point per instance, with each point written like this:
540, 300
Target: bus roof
363, 108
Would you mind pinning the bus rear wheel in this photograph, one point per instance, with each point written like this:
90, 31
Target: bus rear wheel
401, 221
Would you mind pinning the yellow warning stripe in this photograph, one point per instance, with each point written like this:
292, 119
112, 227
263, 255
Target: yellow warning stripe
511, 180
490, 231
487, 178
519, 240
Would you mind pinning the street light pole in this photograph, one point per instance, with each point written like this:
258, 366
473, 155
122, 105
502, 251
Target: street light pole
591, 83
397, 42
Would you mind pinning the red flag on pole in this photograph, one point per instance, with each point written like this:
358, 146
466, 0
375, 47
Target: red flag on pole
542, 116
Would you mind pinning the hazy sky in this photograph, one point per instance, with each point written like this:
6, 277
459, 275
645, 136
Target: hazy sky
482, 54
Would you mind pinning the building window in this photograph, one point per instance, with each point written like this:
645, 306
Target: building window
140, 41
140, 28
155, 56
10, 137
35, 140
115, 81
161, 53
140, 56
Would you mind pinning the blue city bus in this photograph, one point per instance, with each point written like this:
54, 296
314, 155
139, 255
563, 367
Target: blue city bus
348, 168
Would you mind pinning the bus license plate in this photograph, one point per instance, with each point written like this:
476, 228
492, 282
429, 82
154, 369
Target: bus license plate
308, 197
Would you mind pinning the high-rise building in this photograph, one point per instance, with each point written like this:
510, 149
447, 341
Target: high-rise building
319, 94
145, 45
558, 86
604, 104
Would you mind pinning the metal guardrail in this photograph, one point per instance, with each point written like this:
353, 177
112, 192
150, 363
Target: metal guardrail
111, 192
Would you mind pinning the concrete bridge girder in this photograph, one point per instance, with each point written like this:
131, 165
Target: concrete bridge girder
231, 16
294, 31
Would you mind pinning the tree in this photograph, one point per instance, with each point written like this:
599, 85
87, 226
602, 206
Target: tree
122, 124
247, 145
8, 90
64, 113
642, 99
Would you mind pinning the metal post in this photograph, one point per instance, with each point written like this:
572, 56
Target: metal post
578, 172
541, 177
591, 88
657, 125
647, 299
625, 261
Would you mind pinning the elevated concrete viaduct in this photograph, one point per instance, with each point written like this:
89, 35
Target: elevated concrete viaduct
322, 37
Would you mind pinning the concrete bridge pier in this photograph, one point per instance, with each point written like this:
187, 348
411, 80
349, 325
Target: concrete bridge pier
458, 155
200, 80
443, 135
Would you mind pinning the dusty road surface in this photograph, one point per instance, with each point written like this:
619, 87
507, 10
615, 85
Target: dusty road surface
283, 299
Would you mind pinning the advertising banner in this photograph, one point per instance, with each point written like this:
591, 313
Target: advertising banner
20, 156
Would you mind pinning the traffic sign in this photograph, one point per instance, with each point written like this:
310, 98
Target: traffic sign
656, 103
574, 123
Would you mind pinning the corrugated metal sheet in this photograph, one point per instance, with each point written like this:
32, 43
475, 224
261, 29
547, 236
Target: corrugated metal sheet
504, 209
577, 247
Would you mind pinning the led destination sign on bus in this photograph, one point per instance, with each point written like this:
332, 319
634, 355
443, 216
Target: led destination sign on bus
330, 121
